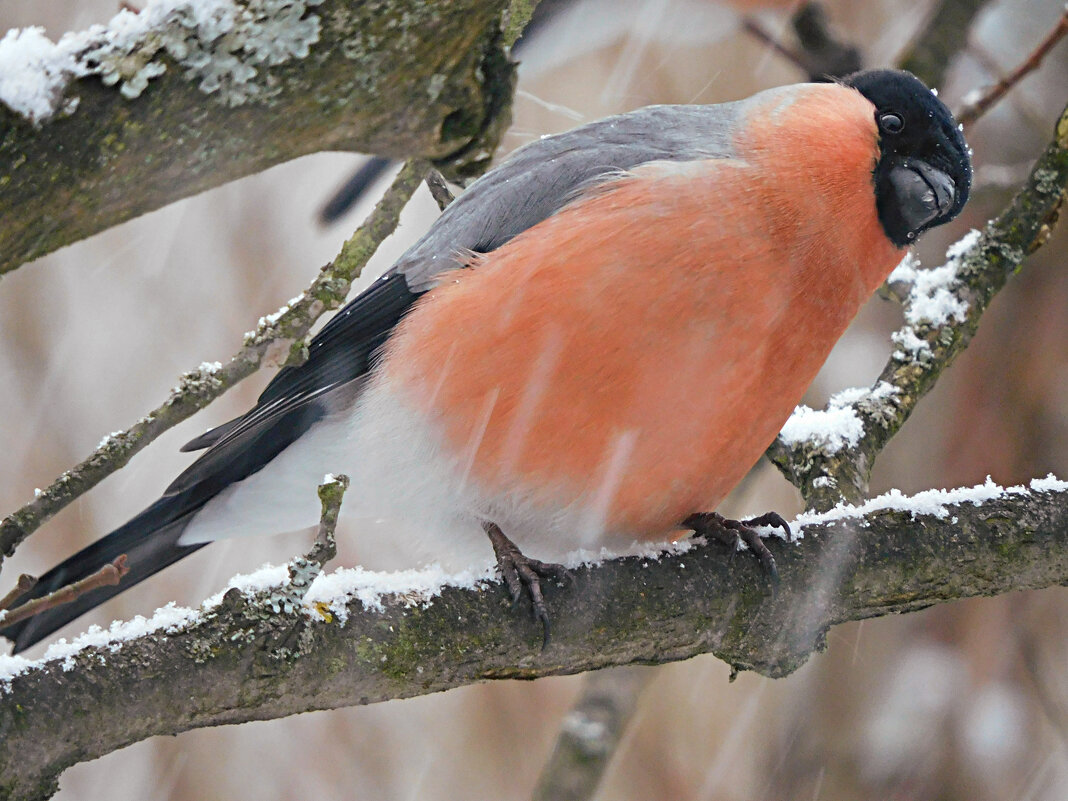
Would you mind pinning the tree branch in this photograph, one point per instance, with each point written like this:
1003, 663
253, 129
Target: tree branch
109, 575
224, 665
975, 107
140, 121
944, 35
279, 339
591, 733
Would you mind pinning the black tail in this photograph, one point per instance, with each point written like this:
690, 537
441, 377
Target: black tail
150, 542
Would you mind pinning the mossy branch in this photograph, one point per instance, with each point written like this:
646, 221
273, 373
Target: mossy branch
278, 340
402, 78
249, 659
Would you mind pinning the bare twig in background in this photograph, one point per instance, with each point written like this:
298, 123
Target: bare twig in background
109, 575
751, 26
591, 733
824, 53
23, 585
975, 108
279, 338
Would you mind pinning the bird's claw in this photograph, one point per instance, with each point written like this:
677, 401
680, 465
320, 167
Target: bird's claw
729, 532
519, 572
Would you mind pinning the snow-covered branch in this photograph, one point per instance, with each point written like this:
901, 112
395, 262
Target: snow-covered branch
115, 121
361, 638
828, 454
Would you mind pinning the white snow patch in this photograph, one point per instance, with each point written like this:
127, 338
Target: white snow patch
912, 346
33, 72
417, 587
653, 551
108, 439
836, 427
1048, 484
932, 300
220, 45
933, 502
831, 429
168, 619
266, 578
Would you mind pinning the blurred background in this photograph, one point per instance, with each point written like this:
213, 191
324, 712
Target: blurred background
964, 701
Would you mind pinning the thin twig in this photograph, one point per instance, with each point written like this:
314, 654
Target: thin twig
435, 181
974, 109
304, 569
109, 575
826, 55
278, 339
752, 27
25, 583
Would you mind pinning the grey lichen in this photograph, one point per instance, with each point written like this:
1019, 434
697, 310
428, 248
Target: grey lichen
224, 46
221, 45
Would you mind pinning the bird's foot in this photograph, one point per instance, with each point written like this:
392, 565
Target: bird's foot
729, 532
521, 572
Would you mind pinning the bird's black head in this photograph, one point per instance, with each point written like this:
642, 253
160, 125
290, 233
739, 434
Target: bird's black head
924, 172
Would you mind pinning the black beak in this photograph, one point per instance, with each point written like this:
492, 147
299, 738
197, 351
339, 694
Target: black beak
923, 193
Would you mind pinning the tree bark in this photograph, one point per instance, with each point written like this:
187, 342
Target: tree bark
402, 78
245, 660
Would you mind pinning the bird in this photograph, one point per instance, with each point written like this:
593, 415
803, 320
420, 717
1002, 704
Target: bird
591, 345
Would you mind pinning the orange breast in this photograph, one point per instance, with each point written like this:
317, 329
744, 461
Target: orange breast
639, 350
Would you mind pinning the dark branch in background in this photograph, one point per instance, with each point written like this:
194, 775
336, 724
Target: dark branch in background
278, 340
822, 55
110, 574
246, 659
591, 733
944, 35
973, 109
403, 78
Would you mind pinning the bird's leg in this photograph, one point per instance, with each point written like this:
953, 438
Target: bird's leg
521, 571
727, 531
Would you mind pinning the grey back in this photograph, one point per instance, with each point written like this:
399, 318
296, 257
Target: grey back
542, 177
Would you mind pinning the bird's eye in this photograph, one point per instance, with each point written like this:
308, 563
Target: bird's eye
891, 123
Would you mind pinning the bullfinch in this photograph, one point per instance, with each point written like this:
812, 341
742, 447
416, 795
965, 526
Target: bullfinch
592, 345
